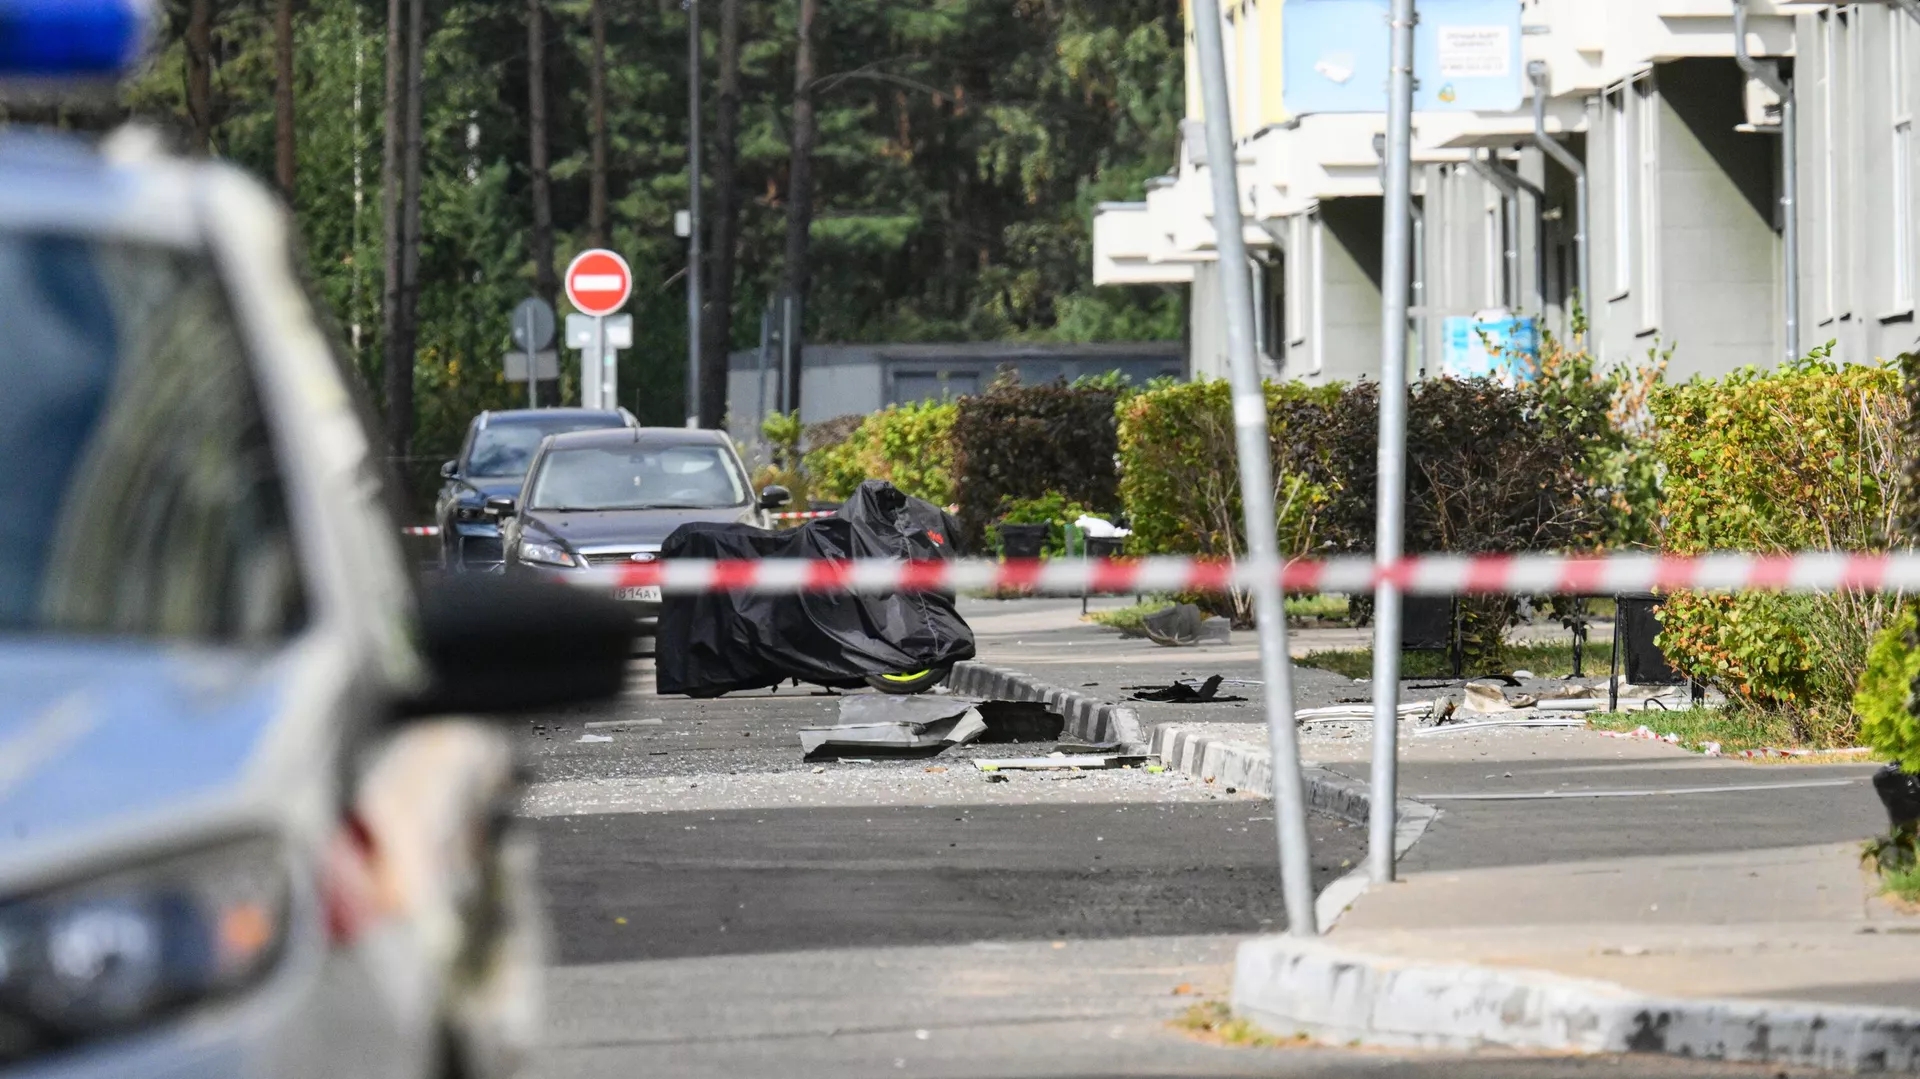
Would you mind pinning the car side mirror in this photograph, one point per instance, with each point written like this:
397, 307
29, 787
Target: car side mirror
501, 506
773, 496
498, 645
450, 470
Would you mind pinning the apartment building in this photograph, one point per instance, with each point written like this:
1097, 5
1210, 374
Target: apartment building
1687, 194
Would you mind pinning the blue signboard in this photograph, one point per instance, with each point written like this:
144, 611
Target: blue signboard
1466, 56
1489, 346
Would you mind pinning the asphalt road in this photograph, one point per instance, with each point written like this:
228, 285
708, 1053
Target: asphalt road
722, 908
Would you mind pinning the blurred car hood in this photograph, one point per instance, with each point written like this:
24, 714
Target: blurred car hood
93, 734
594, 528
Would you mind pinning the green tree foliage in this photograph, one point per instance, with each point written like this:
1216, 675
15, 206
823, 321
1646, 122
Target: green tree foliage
963, 146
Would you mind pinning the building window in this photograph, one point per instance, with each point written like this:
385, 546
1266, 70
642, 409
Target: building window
1900, 178
1647, 130
1618, 122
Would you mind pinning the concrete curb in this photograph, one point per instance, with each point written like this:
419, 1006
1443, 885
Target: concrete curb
1289, 984
1249, 767
1088, 718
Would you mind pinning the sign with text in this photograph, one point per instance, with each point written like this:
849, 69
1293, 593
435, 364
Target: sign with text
1466, 56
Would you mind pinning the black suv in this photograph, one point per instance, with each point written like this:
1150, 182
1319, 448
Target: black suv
494, 460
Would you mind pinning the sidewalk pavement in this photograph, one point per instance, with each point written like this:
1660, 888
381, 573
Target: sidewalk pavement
1567, 891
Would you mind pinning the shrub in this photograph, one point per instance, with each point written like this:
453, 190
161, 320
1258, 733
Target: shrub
1022, 442
910, 446
1804, 457
1885, 700
1179, 479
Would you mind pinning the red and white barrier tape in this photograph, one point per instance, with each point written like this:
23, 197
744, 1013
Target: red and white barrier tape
421, 530
1432, 575
801, 515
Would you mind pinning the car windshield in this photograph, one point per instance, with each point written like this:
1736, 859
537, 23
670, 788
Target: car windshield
634, 477
503, 450
136, 467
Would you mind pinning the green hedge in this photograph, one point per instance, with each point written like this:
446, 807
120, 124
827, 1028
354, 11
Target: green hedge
1804, 457
909, 445
1490, 468
1016, 443
1487, 470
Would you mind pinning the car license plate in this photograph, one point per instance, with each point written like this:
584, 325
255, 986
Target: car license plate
646, 593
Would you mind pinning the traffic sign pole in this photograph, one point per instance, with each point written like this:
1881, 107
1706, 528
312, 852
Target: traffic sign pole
608, 398
1256, 477
1392, 461
533, 363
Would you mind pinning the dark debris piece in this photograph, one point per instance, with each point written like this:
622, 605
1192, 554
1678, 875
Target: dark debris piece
1207, 692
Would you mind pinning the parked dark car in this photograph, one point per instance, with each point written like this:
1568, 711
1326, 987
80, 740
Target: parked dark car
601, 498
493, 461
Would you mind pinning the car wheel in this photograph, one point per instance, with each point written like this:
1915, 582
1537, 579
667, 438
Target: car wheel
909, 681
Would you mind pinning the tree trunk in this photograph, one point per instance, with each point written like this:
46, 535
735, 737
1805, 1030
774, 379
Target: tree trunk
401, 357
283, 156
199, 45
718, 330
800, 194
546, 280
597, 83
397, 364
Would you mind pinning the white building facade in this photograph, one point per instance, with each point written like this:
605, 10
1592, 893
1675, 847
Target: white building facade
1687, 194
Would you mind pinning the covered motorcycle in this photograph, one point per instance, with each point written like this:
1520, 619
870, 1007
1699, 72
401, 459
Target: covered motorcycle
721, 642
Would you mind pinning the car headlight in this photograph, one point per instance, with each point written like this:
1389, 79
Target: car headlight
129, 946
547, 554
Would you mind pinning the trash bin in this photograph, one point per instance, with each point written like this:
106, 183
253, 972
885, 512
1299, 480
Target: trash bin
1430, 624
1635, 625
1023, 541
1100, 547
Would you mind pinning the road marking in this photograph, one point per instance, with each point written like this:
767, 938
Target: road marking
1728, 789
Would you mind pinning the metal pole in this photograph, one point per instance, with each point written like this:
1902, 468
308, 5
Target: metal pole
1256, 476
609, 397
694, 301
1769, 73
1583, 258
789, 357
1394, 271
766, 335
533, 374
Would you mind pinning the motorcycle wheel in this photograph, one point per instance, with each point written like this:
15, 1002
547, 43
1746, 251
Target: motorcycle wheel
909, 682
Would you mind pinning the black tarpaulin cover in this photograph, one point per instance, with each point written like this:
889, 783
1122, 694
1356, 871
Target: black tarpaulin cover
718, 642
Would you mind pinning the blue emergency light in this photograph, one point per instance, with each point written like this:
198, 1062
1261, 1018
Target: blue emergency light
79, 40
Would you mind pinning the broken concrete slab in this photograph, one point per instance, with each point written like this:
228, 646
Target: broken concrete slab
894, 726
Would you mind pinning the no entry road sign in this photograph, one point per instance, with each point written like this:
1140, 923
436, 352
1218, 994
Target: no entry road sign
599, 282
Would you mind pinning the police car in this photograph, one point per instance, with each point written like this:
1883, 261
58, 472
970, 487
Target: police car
241, 831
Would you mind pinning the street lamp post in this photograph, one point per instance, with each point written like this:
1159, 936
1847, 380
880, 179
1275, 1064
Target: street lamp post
694, 302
